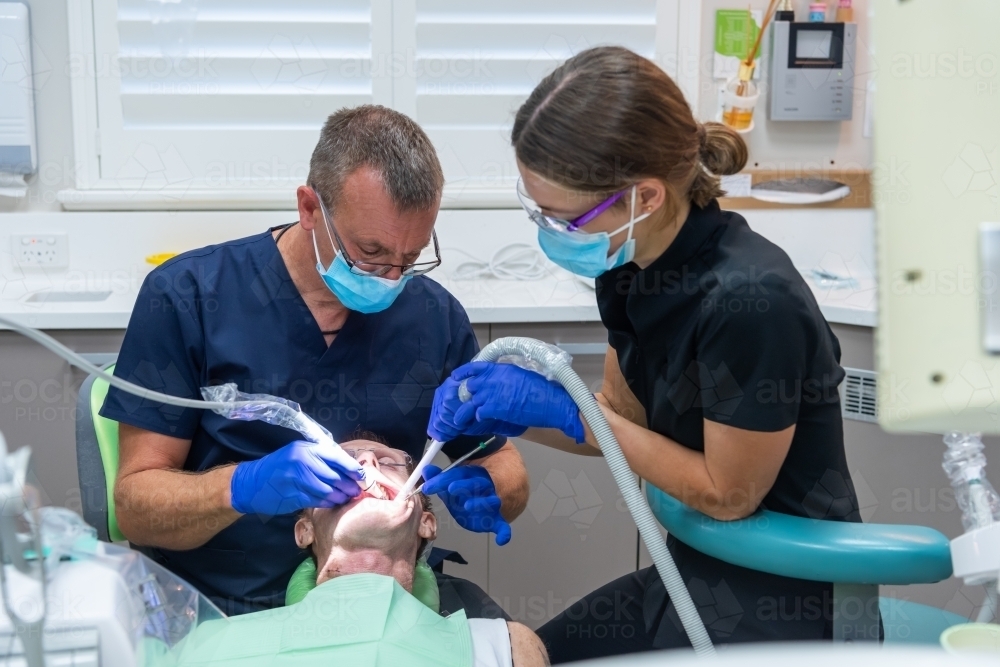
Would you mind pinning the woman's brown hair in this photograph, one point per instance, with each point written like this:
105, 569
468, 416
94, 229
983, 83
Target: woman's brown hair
608, 117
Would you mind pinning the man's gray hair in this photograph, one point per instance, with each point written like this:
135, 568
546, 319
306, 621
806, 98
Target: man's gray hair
385, 140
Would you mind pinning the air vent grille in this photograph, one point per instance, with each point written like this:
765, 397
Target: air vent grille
858, 395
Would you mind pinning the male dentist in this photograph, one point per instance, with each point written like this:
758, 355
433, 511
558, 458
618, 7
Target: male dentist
332, 311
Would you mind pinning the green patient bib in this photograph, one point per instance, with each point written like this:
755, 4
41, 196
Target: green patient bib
425, 587
362, 620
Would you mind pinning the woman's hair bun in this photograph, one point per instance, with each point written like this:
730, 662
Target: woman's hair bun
723, 151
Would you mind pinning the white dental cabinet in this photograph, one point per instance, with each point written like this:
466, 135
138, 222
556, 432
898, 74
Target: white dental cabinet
576, 534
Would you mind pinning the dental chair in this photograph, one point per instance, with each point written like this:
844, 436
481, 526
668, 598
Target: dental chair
855, 557
97, 459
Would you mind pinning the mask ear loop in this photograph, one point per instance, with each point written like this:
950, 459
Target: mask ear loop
633, 221
319, 260
326, 225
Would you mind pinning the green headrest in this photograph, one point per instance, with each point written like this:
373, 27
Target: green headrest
425, 586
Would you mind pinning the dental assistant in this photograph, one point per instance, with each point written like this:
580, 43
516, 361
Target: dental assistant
333, 312
720, 379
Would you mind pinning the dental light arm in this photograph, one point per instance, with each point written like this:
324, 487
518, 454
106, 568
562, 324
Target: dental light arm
28, 619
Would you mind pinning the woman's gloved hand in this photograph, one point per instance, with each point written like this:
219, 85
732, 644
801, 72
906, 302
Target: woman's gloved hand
471, 497
299, 475
442, 426
515, 397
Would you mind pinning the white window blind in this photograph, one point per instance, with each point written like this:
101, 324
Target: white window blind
226, 94
474, 64
219, 102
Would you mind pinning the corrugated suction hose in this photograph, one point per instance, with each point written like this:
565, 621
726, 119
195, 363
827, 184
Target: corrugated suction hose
554, 361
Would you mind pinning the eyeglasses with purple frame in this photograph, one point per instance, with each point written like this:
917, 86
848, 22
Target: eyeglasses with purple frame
558, 224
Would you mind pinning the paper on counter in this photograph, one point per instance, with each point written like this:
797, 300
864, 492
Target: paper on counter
736, 185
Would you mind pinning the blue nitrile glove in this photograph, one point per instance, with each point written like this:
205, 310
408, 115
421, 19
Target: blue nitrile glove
299, 475
469, 494
512, 395
442, 426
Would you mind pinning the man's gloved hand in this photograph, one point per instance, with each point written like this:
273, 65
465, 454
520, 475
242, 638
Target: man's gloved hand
510, 395
471, 497
442, 426
299, 475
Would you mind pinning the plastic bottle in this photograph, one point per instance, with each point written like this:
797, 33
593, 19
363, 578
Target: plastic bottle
964, 462
845, 12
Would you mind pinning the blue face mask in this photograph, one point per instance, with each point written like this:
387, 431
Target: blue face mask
587, 254
365, 294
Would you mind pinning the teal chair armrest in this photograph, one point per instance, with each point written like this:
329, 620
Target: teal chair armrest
791, 546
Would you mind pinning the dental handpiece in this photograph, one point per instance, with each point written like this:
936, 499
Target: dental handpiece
418, 471
432, 450
461, 459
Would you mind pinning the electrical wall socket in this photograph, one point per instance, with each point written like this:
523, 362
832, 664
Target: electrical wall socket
45, 251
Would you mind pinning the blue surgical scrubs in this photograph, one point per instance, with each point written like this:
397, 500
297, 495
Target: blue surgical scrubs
230, 313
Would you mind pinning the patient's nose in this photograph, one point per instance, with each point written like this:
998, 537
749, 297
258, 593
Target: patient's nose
367, 459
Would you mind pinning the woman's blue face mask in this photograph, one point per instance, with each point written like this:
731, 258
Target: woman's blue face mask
579, 252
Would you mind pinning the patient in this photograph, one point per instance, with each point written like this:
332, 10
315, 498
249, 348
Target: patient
373, 534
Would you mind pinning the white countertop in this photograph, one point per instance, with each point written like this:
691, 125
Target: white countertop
107, 251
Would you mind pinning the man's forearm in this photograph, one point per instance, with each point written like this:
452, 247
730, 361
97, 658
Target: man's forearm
510, 478
556, 439
173, 509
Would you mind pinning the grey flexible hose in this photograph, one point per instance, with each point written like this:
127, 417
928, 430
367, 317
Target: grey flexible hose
75, 359
553, 361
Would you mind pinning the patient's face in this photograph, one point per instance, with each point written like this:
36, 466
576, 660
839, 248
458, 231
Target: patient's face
373, 521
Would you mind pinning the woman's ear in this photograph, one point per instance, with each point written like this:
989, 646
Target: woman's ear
428, 526
650, 195
304, 536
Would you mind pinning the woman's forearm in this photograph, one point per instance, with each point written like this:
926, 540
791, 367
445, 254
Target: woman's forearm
681, 472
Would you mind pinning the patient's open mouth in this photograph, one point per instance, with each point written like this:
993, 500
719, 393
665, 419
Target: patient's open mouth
376, 490
379, 486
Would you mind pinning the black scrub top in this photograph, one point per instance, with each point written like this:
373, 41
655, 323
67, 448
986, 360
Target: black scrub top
723, 327
231, 313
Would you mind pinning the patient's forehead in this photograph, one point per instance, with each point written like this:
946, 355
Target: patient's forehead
400, 460
361, 443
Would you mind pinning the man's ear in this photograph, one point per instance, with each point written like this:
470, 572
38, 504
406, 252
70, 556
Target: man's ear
428, 526
304, 532
310, 214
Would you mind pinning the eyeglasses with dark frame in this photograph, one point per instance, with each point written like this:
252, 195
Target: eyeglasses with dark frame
386, 457
377, 269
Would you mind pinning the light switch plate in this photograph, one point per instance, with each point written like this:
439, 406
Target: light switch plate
44, 251
989, 268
